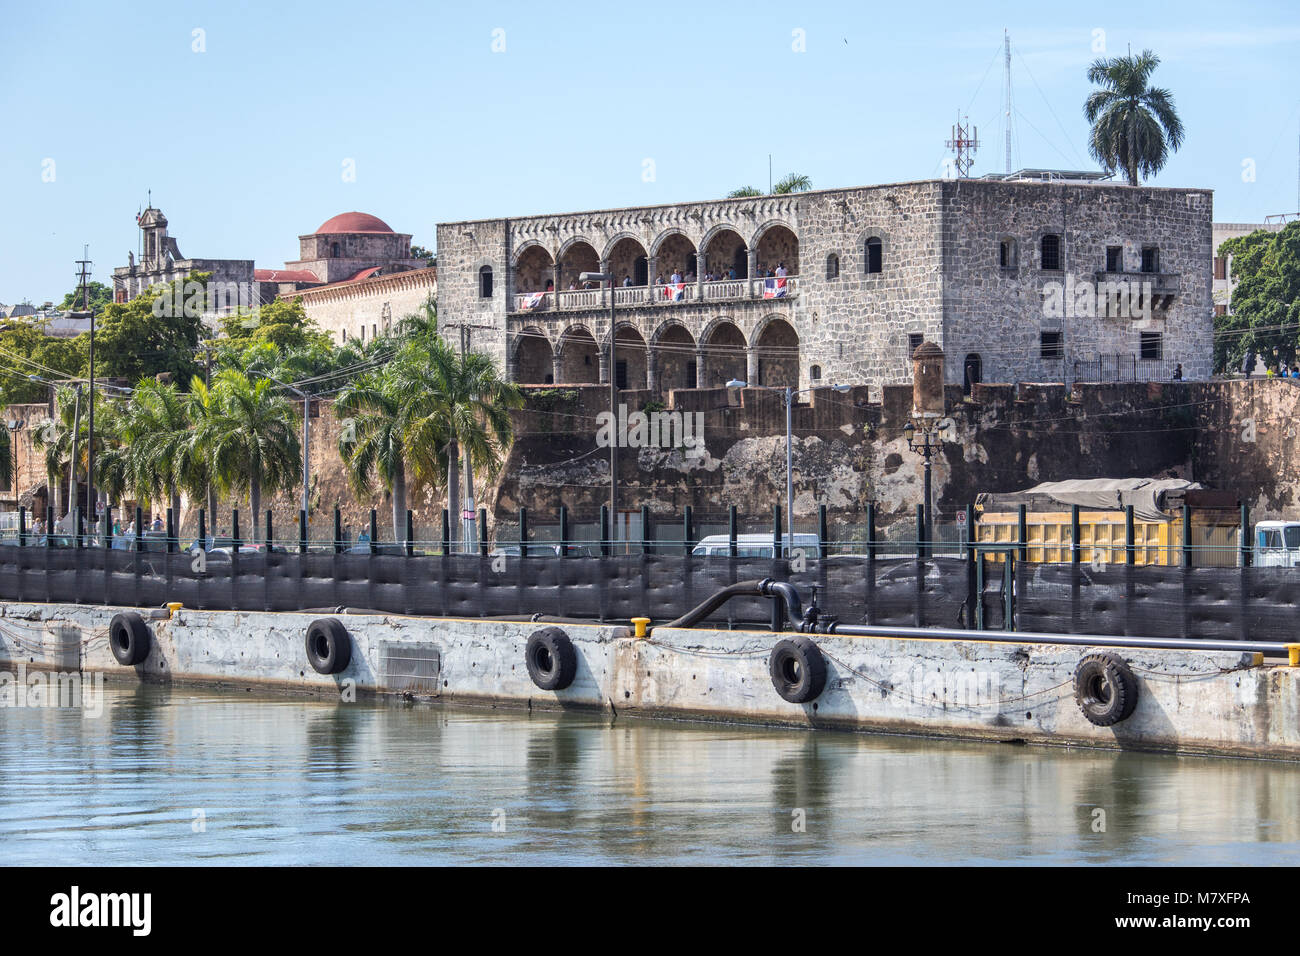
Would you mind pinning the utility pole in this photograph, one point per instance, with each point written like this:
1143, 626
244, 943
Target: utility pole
964, 142
85, 264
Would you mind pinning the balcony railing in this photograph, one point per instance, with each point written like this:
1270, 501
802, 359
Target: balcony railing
656, 294
1163, 286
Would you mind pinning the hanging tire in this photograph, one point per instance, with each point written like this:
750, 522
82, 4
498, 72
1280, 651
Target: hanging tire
129, 637
1105, 689
798, 670
329, 646
551, 658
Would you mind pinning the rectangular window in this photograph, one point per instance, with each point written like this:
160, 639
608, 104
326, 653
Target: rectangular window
1050, 345
1150, 259
914, 340
1221, 267
1051, 252
1152, 346
620, 377
1114, 258
1220, 310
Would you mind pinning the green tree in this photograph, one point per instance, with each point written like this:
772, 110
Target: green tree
792, 183
199, 474
26, 351
56, 439
100, 295
419, 252
1265, 317
155, 332
372, 442
253, 440
154, 432
1134, 125
744, 192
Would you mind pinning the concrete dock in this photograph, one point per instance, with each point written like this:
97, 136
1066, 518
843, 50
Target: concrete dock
1208, 702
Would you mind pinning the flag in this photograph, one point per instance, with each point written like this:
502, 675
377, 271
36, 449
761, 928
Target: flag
675, 293
532, 300
774, 288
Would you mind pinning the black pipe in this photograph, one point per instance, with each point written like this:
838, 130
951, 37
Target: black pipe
766, 587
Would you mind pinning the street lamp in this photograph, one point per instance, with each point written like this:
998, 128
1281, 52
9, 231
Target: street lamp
926, 441
613, 401
789, 393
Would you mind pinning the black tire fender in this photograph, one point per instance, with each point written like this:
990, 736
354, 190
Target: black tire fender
130, 638
1105, 688
798, 669
329, 646
551, 658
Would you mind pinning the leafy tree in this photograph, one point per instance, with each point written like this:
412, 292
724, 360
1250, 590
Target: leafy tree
373, 441
56, 438
153, 333
419, 252
100, 296
1265, 317
154, 432
1134, 125
744, 192
26, 351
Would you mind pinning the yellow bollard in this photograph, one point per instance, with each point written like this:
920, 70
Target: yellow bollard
1293, 654
639, 623
173, 607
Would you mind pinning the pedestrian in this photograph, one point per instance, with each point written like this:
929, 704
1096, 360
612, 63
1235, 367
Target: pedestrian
1178, 372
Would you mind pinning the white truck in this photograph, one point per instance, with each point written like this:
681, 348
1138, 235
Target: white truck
1277, 544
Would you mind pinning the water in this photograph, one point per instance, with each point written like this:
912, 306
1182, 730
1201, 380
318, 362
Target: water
179, 776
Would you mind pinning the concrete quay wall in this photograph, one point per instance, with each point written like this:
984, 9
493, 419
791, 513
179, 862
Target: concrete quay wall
1189, 701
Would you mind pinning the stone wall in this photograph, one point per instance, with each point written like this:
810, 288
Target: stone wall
360, 310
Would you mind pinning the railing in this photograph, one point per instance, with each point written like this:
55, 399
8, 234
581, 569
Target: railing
654, 294
726, 289
581, 299
1124, 368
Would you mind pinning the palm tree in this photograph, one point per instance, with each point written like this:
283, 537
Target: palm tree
1133, 125
456, 403
199, 478
253, 440
373, 440
56, 438
155, 434
744, 192
793, 183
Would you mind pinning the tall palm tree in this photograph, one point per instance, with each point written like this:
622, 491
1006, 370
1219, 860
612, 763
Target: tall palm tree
199, 478
155, 433
56, 438
458, 404
374, 441
253, 440
1133, 125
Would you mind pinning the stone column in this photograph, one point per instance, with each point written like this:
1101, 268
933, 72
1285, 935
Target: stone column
753, 267
751, 365
604, 365
699, 276
651, 270
604, 300
557, 272
557, 366
652, 370
700, 378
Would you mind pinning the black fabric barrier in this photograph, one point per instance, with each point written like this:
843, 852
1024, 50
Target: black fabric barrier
1211, 603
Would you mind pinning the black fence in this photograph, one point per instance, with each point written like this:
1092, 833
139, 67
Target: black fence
1178, 602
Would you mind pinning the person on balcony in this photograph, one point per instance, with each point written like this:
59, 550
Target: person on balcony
627, 280
780, 270
677, 277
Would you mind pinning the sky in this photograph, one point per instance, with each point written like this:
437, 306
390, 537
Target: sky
252, 123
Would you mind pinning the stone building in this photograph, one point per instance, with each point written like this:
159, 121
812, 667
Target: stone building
1223, 280
869, 273
161, 262
355, 276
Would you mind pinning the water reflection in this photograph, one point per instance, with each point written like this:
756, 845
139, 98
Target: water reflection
184, 776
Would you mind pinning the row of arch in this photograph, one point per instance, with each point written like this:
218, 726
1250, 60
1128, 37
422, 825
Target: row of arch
673, 358
722, 253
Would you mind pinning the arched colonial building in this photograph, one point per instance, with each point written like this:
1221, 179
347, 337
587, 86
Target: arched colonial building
836, 286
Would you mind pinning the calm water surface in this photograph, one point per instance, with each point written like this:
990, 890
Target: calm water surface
282, 781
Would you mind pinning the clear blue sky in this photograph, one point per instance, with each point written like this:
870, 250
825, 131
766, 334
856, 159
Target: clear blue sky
243, 145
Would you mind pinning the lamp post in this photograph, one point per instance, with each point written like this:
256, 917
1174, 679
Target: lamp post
613, 402
925, 441
789, 392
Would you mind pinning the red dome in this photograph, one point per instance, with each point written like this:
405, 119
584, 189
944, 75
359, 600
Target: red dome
354, 222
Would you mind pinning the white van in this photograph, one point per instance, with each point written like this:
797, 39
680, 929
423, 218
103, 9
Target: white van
757, 545
1277, 544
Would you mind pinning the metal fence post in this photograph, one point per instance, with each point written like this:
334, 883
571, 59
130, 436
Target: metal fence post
604, 531
410, 533
338, 530
523, 532
564, 529
374, 529
302, 531
687, 531
482, 532
1246, 540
